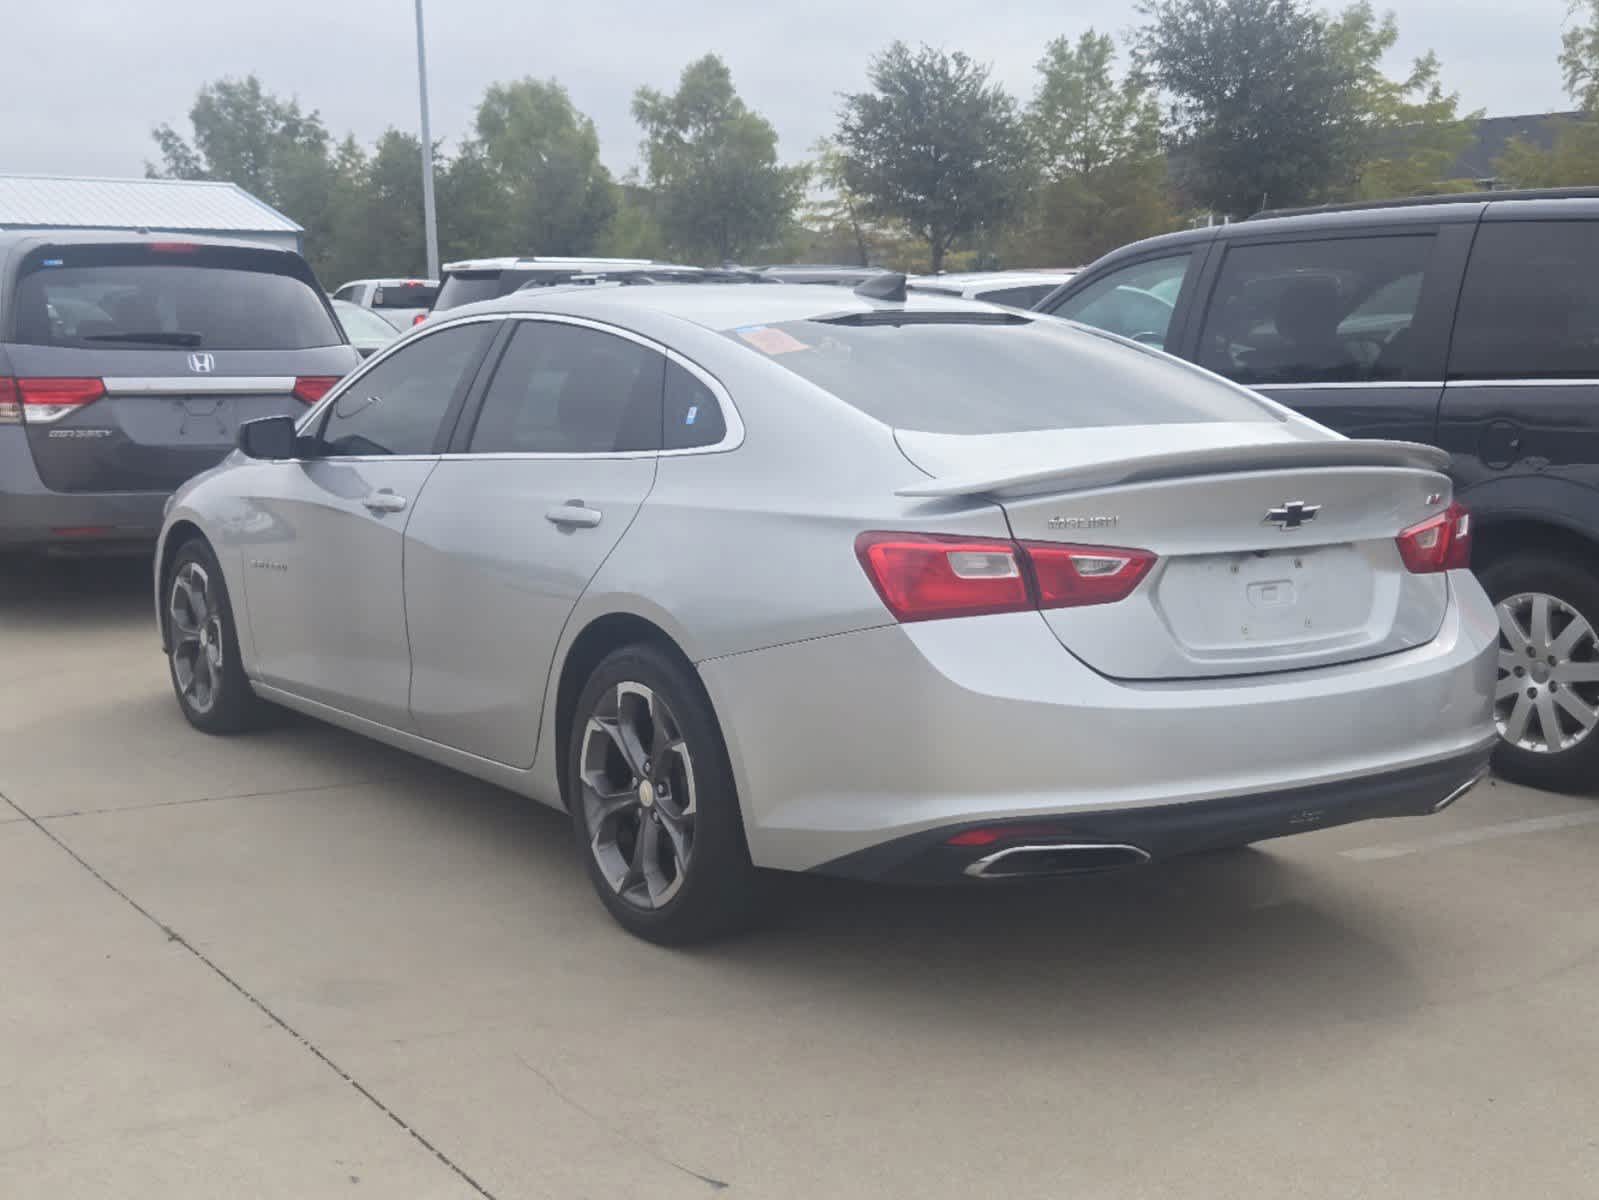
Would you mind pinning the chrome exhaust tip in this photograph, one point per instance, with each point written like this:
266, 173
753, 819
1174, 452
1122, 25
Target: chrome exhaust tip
1460, 791
1071, 858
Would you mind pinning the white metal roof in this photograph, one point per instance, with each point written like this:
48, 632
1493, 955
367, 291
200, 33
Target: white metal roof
59, 202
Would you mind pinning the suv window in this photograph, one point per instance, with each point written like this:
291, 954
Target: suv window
567, 389
468, 287
405, 295
1136, 301
397, 406
693, 416
1332, 311
144, 296
350, 292
1529, 308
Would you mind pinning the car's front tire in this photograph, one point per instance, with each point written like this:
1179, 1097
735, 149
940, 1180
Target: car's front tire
654, 807
1546, 703
203, 645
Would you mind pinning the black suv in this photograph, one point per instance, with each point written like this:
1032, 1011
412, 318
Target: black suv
1470, 322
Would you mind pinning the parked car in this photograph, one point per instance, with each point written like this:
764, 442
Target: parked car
1014, 289
128, 362
478, 279
778, 577
1467, 322
400, 302
366, 331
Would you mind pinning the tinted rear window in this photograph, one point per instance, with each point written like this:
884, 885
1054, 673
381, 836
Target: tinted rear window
407, 295
133, 297
986, 377
468, 287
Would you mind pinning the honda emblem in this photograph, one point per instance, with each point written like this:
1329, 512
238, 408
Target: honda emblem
202, 364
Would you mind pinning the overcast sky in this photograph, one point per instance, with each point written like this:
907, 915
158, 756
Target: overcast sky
83, 81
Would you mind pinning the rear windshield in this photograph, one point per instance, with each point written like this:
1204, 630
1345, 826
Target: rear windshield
137, 297
982, 376
468, 288
405, 295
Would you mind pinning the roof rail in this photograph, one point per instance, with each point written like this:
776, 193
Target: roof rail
1562, 193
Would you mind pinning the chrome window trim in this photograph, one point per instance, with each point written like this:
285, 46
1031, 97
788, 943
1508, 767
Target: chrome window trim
1345, 385
1522, 383
199, 385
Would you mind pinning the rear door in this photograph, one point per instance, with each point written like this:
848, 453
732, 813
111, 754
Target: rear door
322, 538
544, 481
141, 360
1350, 328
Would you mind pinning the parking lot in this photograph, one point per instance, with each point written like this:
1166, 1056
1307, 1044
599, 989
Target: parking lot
300, 964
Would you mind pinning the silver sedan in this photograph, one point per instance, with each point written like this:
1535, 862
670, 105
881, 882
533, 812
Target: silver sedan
779, 576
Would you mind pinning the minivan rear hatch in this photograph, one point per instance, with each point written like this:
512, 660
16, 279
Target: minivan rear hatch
136, 362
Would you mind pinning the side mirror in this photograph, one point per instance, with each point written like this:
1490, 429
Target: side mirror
269, 437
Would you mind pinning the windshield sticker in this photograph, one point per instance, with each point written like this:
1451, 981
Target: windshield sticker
771, 341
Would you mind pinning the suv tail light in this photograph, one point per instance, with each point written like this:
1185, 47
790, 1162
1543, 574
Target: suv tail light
418, 319
42, 400
308, 389
925, 577
1440, 543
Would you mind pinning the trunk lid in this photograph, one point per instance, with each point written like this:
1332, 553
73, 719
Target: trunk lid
1276, 542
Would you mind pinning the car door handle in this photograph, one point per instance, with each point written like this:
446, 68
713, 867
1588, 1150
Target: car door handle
384, 502
574, 514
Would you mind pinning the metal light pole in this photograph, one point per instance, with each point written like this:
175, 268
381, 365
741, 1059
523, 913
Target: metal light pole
429, 215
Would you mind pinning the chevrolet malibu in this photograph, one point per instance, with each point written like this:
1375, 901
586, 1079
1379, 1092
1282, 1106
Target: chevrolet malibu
902, 588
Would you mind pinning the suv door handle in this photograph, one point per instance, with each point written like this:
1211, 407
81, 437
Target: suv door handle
574, 514
384, 501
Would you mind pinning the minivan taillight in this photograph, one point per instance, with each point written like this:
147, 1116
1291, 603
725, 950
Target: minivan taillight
308, 389
44, 399
1440, 543
418, 319
925, 577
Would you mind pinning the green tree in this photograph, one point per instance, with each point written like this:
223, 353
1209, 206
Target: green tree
720, 191
1264, 106
546, 155
473, 207
633, 232
1579, 55
1412, 130
835, 215
1573, 160
935, 145
1098, 139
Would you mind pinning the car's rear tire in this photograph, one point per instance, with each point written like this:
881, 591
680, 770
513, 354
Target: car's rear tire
1547, 698
203, 645
654, 808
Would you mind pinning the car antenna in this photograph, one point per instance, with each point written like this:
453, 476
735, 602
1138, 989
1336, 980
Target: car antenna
890, 285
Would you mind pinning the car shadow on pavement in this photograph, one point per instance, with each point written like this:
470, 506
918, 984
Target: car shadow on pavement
40, 591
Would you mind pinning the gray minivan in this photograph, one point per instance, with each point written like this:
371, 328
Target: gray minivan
128, 362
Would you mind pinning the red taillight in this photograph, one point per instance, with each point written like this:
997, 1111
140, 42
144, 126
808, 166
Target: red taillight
1440, 543
47, 399
1071, 576
174, 247
418, 319
925, 577
310, 388
989, 834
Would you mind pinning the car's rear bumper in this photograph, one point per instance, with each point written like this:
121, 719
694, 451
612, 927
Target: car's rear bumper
846, 743
1030, 848
34, 517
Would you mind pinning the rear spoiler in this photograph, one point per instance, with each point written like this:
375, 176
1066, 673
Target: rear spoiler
1174, 464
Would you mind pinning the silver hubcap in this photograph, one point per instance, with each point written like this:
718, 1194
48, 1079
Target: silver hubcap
637, 781
1547, 698
196, 637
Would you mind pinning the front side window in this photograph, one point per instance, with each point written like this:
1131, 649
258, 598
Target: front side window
1021, 296
398, 406
568, 389
1332, 311
1136, 301
1529, 308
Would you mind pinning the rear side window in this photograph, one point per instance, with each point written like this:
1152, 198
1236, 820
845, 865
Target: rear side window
693, 417
996, 374
1529, 308
1136, 301
1331, 311
1018, 297
398, 406
467, 287
139, 297
567, 389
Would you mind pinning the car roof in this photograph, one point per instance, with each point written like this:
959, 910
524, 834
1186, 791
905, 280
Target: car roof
528, 262
125, 237
718, 306
986, 279
401, 281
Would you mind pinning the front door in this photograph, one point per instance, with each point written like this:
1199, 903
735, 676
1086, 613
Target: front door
511, 529
323, 536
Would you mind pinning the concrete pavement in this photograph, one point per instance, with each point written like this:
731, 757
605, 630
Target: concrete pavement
298, 964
